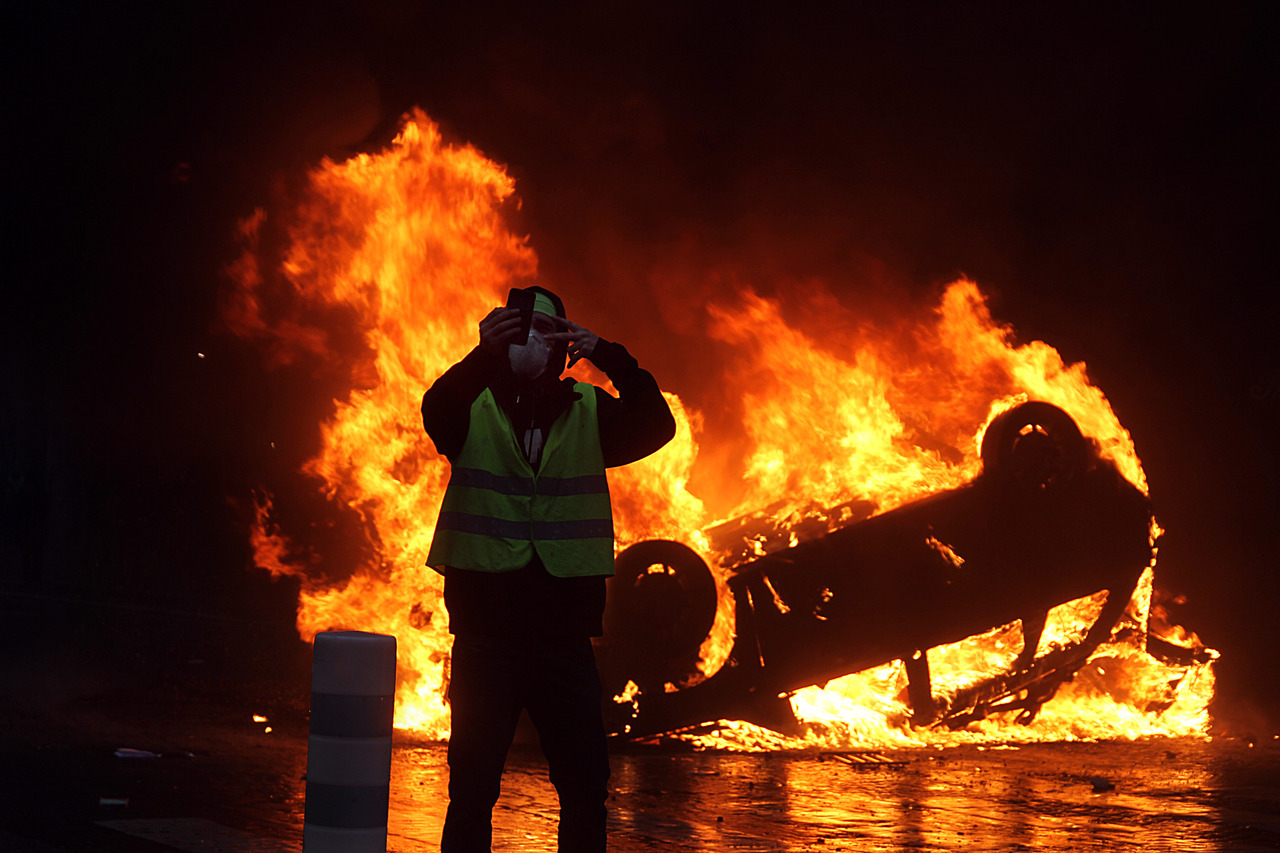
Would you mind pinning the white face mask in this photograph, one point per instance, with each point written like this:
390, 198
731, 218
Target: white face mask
529, 360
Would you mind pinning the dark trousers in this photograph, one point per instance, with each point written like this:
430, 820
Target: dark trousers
553, 678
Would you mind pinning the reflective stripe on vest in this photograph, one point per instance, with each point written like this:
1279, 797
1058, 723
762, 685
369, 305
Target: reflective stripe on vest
497, 511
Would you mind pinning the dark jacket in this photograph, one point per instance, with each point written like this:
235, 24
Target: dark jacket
632, 425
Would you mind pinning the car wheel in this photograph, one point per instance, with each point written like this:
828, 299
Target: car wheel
1035, 445
662, 603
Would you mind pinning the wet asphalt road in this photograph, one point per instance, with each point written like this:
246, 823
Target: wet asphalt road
78, 684
222, 782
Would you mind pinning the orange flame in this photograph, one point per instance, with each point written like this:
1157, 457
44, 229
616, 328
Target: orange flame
390, 258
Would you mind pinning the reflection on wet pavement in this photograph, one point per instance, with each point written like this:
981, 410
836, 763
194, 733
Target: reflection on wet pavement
225, 783
1164, 795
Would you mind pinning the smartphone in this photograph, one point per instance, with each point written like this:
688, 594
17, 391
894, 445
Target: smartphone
522, 299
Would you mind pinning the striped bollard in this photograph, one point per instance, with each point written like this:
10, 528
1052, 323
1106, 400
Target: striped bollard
353, 681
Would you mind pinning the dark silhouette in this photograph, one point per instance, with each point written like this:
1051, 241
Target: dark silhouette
525, 542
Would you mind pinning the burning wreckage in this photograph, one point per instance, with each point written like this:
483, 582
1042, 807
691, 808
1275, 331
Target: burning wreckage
1046, 522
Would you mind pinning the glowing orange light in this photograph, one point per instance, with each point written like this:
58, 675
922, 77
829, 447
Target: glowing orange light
391, 257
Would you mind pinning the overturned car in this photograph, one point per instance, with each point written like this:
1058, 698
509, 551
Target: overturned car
1046, 522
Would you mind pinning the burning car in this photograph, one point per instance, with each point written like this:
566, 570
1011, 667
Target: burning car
1046, 522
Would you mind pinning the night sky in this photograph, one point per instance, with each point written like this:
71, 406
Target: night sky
1106, 175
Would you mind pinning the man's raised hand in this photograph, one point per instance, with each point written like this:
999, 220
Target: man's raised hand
582, 341
499, 329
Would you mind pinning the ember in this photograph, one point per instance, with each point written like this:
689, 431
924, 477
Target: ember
384, 254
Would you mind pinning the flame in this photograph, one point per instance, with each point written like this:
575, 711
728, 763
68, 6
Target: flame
388, 260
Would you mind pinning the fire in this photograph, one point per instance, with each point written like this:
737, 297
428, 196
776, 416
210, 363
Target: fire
387, 262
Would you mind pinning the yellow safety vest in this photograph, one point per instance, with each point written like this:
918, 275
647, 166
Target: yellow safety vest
497, 511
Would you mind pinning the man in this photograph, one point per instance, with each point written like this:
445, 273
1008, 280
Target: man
525, 543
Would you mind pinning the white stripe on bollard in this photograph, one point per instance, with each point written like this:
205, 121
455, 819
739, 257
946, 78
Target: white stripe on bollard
348, 761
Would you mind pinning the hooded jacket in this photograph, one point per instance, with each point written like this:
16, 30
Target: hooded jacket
631, 426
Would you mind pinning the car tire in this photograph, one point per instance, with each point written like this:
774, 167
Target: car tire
662, 604
1036, 446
